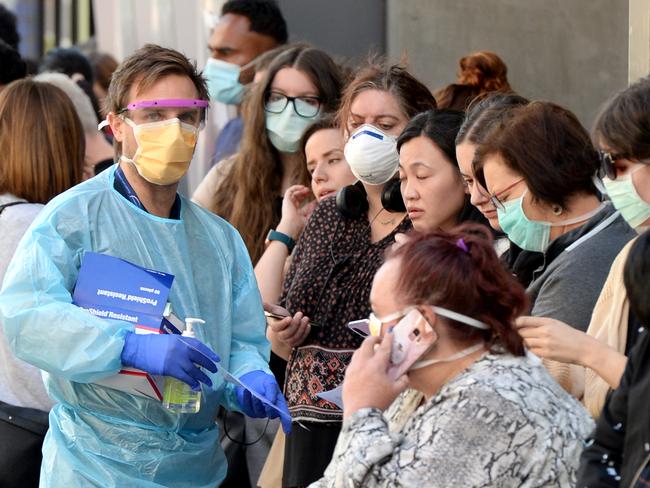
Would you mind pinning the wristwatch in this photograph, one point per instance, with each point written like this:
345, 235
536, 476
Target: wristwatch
274, 235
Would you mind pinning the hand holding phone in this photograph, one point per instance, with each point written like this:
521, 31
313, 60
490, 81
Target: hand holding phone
275, 316
413, 336
278, 316
292, 330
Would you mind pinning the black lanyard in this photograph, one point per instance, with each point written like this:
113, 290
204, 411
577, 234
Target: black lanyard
5, 205
125, 189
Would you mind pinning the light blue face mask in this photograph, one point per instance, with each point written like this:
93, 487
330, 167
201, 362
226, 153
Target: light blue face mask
531, 235
286, 128
627, 200
223, 81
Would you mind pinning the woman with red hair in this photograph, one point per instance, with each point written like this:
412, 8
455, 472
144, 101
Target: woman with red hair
489, 414
478, 73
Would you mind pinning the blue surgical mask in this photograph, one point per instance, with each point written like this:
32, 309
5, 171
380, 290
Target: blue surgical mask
626, 199
223, 81
531, 235
286, 128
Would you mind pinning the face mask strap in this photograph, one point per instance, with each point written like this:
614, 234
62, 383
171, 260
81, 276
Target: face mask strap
393, 316
459, 317
598, 183
459, 355
575, 220
450, 314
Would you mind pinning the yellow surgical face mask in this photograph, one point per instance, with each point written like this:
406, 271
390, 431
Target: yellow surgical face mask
164, 151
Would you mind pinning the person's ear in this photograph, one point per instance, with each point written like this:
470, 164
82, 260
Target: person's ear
429, 315
432, 319
117, 126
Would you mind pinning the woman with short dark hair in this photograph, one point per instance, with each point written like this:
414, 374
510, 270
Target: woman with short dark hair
539, 166
595, 361
491, 415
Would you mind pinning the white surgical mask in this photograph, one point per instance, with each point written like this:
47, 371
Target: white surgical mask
372, 155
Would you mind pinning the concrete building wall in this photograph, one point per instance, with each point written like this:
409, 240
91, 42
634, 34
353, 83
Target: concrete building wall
572, 52
347, 29
639, 44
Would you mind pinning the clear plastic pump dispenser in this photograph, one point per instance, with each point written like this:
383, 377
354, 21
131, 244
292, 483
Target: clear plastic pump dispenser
178, 397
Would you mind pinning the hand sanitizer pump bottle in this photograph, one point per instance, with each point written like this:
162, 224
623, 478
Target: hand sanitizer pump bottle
178, 396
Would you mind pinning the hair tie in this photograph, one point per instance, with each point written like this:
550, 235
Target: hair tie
461, 244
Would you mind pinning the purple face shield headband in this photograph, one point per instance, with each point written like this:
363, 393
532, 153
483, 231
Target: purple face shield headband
162, 103
168, 102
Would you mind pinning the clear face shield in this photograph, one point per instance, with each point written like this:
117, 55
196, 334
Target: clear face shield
165, 132
188, 111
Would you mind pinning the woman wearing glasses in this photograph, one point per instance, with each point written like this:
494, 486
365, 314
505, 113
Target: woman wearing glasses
338, 253
301, 84
539, 167
490, 414
479, 120
595, 361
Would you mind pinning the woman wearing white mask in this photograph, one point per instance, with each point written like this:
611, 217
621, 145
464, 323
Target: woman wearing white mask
490, 416
594, 362
332, 268
301, 84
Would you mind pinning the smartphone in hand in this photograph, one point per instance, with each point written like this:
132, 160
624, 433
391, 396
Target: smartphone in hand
413, 336
275, 315
361, 327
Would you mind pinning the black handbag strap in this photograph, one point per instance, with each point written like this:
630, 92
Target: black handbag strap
5, 205
30, 419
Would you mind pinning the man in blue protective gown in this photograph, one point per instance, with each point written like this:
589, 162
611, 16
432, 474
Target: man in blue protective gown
106, 437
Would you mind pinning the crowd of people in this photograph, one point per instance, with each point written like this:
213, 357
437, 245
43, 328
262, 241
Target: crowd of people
399, 287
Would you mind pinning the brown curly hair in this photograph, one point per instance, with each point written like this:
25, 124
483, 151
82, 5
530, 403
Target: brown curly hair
484, 70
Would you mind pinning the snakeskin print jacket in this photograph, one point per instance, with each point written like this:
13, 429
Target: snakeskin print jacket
502, 422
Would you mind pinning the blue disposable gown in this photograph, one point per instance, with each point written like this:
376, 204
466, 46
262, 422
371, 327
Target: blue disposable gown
101, 436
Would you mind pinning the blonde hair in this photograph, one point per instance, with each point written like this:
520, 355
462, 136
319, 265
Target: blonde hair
42, 143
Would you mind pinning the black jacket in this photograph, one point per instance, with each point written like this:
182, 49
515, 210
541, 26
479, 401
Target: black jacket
620, 447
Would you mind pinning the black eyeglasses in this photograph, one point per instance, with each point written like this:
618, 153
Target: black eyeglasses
306, 107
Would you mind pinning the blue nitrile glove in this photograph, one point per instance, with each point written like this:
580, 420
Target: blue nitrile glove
170, 355
265, 385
